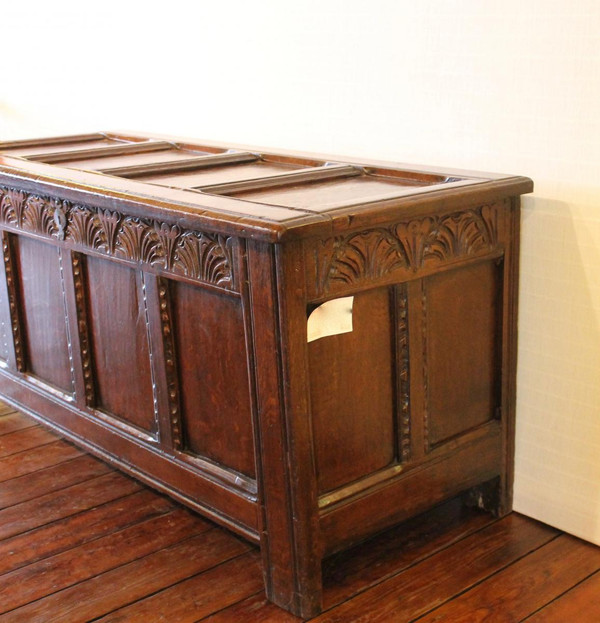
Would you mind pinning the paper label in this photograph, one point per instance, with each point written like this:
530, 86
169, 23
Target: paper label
330, 318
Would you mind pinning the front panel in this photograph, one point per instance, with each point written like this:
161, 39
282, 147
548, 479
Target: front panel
213, 376
129, 335
38, 268
118, 318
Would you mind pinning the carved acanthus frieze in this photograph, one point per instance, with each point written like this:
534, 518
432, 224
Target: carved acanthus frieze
198, 255
409, 246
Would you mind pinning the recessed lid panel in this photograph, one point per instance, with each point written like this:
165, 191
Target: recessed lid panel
218, 174
322, 196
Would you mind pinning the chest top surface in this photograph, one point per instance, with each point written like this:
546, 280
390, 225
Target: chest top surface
251, 192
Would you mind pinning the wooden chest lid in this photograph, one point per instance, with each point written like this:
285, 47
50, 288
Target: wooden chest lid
246, 191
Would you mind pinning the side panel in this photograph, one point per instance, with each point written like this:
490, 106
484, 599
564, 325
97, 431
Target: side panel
462, 312
352, 394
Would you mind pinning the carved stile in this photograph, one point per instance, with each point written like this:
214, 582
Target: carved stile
404, 427
11, 287
170, 363
82, 324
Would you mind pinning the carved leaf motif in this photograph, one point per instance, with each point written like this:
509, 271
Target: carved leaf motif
168, 236
367, 255
85, 228
489, 217
216, 259
413, 236
187, 256
459, 235
110, 223
137, 241
38, 215
12, 206
205, 257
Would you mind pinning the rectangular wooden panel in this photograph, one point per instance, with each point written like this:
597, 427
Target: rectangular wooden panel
43, 312
119, 335
462, 311
218, 174
352, 398
105, 162
414, 491
215, 390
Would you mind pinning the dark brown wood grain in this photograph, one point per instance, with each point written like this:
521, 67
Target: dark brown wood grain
378, 507
441, 577
70, 501
581, 603
21, 440
154, 297
74, 530
11, 422
254, 609
206, 593
50, 479
117, 588
358, 569
287, 481
215, 391
67, 568
352, 571
122, 346
461, 311
509, 353
115, 561
352, 398
44, 314
525, 586
37, 458
6, 409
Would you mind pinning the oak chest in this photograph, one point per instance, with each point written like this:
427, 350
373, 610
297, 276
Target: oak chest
305, 349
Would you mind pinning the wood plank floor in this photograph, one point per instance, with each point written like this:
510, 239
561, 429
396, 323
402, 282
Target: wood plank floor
80, 541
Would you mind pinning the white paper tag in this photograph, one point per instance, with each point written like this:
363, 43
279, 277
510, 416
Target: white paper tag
330, 318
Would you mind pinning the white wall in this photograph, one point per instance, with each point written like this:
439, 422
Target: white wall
500, 85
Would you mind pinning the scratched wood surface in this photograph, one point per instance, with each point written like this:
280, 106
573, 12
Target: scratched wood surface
81, 542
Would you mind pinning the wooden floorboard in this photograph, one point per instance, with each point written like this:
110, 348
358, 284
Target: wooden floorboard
38, 458
81, 542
